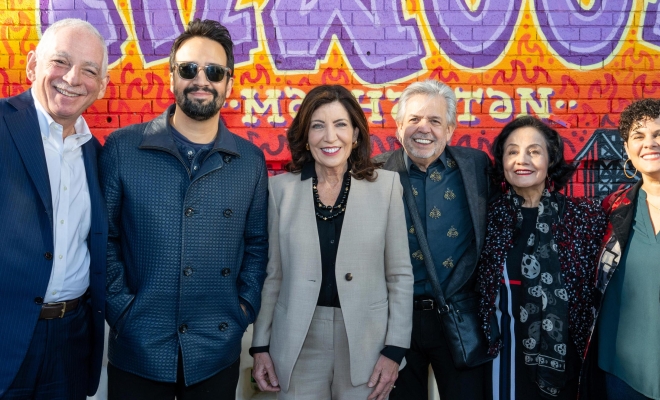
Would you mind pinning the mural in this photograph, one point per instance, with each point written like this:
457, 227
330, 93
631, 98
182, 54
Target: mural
574, 63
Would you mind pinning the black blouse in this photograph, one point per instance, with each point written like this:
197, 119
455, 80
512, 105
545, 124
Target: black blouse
329, 231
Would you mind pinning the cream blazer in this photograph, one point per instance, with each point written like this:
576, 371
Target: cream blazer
373, 247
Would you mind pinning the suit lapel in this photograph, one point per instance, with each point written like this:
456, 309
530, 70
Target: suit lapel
95, 197
466, 168
305, 228
23, 126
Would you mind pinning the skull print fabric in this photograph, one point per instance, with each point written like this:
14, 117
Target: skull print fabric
542, 283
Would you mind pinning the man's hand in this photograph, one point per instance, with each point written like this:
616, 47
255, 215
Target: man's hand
264, 373
385, 373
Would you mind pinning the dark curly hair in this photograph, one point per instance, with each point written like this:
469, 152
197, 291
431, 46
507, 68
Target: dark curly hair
559, 171
636, 113
208, 29
298, 133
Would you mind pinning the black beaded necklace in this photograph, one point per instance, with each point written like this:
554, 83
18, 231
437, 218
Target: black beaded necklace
340, 207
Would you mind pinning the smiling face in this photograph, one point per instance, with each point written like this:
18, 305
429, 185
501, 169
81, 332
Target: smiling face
198, 98
331, 136
424, 130
67, 77
525, 160
643, 148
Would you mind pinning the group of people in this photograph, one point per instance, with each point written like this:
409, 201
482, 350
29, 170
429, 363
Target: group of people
358, 273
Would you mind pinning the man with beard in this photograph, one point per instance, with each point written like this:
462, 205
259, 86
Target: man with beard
450, 188
187, 242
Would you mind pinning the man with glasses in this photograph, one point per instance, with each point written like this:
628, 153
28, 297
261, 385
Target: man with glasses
187, 242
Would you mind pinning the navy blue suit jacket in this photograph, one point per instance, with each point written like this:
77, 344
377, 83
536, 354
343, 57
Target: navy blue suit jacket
26, 237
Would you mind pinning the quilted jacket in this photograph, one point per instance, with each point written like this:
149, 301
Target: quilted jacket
183, 253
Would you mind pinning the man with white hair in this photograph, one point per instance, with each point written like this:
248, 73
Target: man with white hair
54, 225
446, 190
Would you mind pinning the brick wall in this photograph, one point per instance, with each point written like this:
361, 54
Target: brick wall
575, 63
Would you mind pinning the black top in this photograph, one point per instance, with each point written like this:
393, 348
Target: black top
329, 233
193, 153
525, 387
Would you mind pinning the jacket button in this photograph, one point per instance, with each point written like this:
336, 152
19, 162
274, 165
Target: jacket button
48, 255
187, 271
188, 212
228, 212
349, 276
226, 272
39, 300
223, 326
227, 159
183, 328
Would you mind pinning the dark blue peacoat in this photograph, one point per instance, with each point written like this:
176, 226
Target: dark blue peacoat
182, 253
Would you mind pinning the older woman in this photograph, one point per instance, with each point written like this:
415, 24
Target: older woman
623, 357
336, 310
537, 268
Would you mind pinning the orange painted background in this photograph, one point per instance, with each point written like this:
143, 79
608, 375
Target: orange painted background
575, 63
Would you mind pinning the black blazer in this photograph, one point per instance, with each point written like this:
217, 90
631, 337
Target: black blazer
473, 165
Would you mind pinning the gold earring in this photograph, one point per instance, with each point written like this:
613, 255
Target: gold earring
307, 146
626, 172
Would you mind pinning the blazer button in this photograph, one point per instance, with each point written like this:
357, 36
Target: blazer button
228, 212
48, 255
223, 326
227, 159
187, 271
188, 212
39, 300
349, 276
226, 272
183, 328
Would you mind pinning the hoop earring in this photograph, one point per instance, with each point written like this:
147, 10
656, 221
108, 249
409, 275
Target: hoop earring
626, 172
307, 146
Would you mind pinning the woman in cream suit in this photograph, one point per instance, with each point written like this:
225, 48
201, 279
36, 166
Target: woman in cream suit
336, 310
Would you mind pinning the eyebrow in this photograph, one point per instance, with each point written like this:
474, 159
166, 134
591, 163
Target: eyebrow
86, 63
429, 117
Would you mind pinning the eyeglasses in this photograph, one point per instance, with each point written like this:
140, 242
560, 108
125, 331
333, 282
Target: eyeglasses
213, 72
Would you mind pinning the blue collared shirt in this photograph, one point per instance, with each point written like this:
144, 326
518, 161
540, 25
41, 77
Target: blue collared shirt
442, 204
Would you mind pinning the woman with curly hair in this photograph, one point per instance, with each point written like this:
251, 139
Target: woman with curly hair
623, 358
537, 268
336, 309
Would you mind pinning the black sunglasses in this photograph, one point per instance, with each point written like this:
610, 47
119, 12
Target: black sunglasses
214, 72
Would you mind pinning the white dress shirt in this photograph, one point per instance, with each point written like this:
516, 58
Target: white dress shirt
69, 278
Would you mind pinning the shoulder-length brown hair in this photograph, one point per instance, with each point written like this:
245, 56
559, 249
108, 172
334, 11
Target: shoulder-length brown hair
298, 133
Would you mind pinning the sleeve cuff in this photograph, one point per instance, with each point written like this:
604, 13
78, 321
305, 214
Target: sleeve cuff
259, 349
394, 353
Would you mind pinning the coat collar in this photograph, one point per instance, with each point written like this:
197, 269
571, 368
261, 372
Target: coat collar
157, 135
622, 213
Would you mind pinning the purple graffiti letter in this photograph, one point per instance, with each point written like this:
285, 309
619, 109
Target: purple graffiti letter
157, 24
473, 37
239, 23
100, 13
583, 36
651, 28
378, 43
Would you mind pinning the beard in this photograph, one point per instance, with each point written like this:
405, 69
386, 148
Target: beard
196, 109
